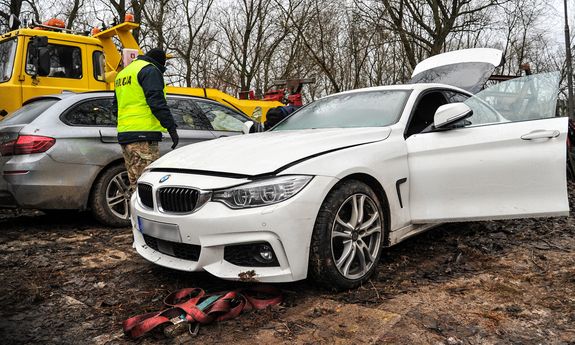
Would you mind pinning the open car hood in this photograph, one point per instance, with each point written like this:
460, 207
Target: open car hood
265, 153
467, 69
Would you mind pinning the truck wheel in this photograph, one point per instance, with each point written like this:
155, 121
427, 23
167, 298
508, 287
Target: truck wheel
108, 198
347, 237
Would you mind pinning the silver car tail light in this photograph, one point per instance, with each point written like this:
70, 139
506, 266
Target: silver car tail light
26, 144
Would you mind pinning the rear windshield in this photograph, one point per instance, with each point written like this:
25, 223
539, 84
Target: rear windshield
470, 76
28, 113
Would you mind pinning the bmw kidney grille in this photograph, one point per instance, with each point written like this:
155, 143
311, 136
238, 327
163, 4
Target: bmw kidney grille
169, 199
177, 199
145, 194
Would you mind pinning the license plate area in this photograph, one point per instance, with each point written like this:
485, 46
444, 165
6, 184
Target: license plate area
163, 231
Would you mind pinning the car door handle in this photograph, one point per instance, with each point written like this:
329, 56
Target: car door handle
541, 134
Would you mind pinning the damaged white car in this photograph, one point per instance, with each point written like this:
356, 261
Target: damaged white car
324, 191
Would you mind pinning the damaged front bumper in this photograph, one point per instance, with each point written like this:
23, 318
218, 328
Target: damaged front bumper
204, 239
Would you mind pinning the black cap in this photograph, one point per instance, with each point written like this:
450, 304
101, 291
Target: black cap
158, 55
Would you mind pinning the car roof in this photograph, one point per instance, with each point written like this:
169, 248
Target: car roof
77, 96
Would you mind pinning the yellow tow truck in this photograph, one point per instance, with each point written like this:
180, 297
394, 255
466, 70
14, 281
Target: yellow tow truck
49, 59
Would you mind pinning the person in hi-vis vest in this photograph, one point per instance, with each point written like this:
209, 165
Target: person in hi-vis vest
143, 112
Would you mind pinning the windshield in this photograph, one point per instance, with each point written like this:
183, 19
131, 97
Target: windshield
7, 52
28, 113
357, 109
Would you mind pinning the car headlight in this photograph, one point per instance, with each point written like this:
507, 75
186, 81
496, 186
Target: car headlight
262, 193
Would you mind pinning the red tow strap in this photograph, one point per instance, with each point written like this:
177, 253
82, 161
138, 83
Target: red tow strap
186, 304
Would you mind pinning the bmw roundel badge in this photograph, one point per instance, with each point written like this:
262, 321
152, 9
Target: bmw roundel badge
164, 178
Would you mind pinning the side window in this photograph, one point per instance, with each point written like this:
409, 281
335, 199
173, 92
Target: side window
221, 117
97, 112
482, 113
531, 97
422, 116
187, 115
98, 65
455, 97
65, 61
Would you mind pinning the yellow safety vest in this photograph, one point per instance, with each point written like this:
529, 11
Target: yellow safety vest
134, 113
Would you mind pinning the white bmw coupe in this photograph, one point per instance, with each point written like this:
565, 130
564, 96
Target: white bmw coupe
325, 190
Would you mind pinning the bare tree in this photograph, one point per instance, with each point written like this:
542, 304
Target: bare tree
134, 6
159, 19
423, 26
34, 9
316, 24
524, 36
194, 39
8, 7
73, 13
250, 36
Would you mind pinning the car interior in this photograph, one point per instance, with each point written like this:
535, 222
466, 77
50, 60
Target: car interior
422, 116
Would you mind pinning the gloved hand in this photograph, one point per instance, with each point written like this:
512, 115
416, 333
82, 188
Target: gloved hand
174, 135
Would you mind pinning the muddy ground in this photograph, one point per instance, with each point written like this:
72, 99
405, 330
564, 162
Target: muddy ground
64, 279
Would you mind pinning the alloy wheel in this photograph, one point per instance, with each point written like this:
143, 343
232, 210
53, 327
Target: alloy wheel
356, 236
117, 195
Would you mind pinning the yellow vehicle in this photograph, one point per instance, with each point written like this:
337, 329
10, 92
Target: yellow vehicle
49, 59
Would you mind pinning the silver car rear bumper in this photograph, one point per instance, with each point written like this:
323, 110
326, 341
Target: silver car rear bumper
37, 181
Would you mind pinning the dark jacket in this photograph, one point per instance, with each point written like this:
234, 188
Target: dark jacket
151, 78
277, 114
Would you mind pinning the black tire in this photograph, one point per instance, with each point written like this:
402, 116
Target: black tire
325, 250
104, 189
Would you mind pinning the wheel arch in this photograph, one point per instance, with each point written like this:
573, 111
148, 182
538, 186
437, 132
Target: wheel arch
98, 175
376, 186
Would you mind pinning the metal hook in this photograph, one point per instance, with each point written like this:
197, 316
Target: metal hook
196, 329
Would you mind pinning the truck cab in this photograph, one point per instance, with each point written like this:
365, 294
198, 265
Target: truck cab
36, 62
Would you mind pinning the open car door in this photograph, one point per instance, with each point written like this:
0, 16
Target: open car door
506, 161
467, 69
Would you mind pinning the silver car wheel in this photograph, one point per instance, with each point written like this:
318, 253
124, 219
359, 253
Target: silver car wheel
116, 195
356, 236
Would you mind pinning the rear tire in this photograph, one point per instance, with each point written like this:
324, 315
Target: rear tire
108, 200
347, 237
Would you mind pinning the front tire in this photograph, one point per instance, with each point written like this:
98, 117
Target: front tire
108, 200
347, 237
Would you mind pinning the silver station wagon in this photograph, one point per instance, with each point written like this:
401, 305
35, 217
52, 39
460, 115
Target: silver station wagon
60, 152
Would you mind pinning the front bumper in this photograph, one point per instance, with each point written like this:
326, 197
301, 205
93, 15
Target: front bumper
287, 227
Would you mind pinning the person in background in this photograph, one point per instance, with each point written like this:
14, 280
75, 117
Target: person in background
277, 114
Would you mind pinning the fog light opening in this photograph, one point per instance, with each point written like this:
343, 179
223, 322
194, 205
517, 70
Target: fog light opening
258, 254
266, 254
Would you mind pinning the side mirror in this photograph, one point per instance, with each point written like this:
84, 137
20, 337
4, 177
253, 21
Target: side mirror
448, 114
43, 61
247, 126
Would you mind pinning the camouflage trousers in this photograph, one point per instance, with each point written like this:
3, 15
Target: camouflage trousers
137, 157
